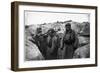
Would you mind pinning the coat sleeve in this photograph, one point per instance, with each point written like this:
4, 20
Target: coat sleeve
54, 43
76, 42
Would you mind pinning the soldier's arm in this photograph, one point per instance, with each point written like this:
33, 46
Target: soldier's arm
76, 42
54, 43
62, 43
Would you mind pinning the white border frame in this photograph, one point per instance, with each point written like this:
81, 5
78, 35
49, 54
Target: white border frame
69, 62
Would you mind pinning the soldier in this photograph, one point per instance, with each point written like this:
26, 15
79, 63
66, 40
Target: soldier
69, 42
41, 42
52, 45
37, 37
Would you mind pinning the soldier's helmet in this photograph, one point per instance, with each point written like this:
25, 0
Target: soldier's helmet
51, 30
68, 24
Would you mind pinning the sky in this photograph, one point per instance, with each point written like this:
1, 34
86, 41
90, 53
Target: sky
35, 17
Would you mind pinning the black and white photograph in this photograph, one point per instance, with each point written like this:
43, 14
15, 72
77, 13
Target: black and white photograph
53, 36
56, 35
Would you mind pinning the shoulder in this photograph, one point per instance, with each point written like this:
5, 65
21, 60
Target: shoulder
55, 37
72, 31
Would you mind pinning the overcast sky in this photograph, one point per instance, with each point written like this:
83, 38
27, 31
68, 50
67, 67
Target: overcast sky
49, 17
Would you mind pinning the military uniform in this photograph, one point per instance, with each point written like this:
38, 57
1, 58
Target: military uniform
69, 44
